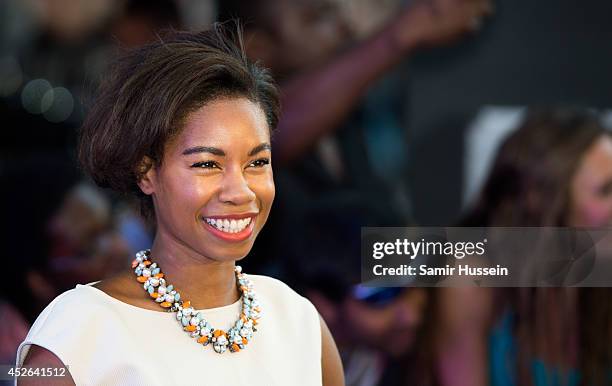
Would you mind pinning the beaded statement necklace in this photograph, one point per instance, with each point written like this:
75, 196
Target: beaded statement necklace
238, 336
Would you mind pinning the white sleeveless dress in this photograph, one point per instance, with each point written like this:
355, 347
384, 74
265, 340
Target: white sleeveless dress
104, 341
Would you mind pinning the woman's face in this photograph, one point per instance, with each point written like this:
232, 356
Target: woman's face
391, 327
591, 190
214, 189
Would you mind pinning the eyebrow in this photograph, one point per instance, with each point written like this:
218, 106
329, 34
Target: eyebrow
218, 152
204, 149
259, 148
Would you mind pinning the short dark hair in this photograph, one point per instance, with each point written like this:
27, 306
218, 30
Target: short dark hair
151, 90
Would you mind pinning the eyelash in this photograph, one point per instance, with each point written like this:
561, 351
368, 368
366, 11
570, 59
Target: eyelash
606, 190
205, 165
258, 163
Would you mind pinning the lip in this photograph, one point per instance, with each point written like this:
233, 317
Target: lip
232, 237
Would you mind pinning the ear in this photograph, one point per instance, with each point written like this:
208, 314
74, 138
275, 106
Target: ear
327, 308
147, 175
259, 45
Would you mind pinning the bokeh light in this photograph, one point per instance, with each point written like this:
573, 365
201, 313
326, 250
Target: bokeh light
32, 95
57, 104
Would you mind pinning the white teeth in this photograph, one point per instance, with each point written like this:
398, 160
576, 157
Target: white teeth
229, 226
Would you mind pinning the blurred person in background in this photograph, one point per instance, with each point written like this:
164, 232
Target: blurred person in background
140, 21
341, 135
85, 242
554, 171
378, 330
58, 231
73, 39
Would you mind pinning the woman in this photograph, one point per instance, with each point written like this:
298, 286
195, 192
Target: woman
554, 171
185, 123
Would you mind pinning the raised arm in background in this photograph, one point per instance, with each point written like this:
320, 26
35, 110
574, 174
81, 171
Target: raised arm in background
315, 103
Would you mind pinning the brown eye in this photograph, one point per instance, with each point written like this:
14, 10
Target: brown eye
260, 162
206, 165
606, 190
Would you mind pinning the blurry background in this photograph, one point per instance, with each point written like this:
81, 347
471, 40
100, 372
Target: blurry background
412, 144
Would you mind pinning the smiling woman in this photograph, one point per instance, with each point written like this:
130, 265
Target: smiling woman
185, 124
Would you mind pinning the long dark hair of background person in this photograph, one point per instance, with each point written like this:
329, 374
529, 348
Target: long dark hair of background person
530, 185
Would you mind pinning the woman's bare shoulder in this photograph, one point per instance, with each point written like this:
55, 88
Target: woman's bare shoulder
331, 364
40, 357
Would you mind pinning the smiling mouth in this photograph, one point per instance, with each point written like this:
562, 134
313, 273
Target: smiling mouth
229, 225
231, 228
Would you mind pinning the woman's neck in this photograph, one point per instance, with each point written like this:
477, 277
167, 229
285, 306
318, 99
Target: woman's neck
205, 282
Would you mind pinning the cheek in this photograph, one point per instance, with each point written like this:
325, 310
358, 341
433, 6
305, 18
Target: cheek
264, 189
593, 212
589, 208
185, 196
370, 322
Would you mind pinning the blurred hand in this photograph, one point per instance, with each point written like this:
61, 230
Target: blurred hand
438, 22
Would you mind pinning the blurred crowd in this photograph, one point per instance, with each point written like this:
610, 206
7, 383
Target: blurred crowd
341, 162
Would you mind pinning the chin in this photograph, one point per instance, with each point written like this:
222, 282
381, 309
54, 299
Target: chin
230, 253
400, 345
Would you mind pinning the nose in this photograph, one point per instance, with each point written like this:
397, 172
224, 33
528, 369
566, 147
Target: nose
235, 189
409, 311
407, 316
609, 211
